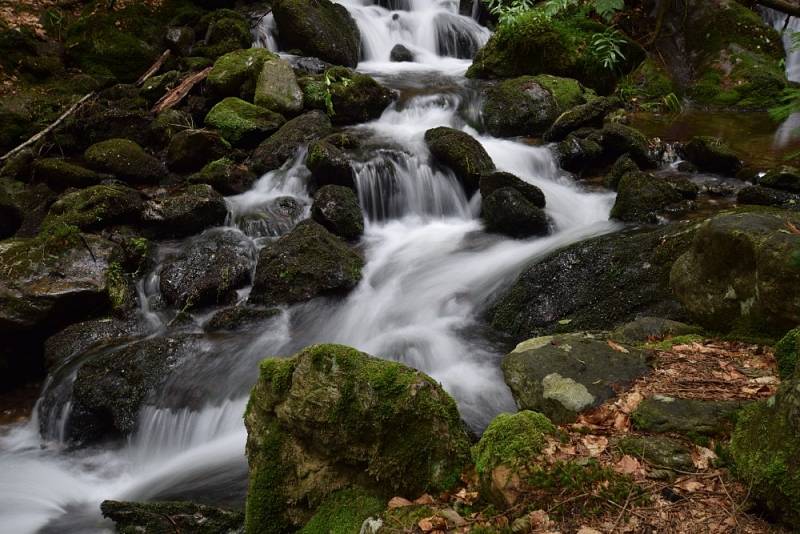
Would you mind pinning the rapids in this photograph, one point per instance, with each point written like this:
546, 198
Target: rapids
430, 270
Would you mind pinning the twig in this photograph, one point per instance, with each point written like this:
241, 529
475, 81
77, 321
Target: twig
50, 128
624, 508
155, 67
181, 90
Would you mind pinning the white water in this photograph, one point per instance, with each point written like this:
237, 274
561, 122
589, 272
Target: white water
788, 130
430, 270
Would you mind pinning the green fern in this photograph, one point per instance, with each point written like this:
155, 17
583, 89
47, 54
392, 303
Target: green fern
607, 48
608, 8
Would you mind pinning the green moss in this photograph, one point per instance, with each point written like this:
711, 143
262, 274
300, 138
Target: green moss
512, 440
96, 207
264, 511
343, 512
567, 92
668, 343
786, 353
406, 518
278, 372
119, 288
235, 73
240, 122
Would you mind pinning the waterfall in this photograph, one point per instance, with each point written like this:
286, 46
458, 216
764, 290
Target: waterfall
787, 26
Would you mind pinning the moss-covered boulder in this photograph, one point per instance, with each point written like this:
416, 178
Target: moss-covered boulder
765, 447
329, 165
561, 46
646, 329
330, 418
507, 211
787, 352
492, 181
594, 285
226, 31
690, 417
579, 153
165, 516
663, 451
336, 208
344, 512
564, 375
756, 195
235, 73
528, 105
226, 176
784, 178
306, 263
618, 139
284, 143
60, 174
742, 272
588, 115
185, 211
711, 154
622, 166
510, 444
349, 97
125, 160
462, 153
277, 88
241, 123
97, 207
318, 28
208, 270
190, 150
642, 197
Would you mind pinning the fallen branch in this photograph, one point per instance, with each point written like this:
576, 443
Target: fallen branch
50, 128
155, 67
181, 90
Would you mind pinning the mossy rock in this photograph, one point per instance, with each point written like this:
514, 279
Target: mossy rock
154, 517
157, 86
97, 207
784, 178
241, 123
167, 124
648, 86
507, 211
61, 174
306, 263
661, 451
622, 166
349, 97
329, 165
520, 106
336, 208
190, 150
756, 195
642, 197
277, 88
647, 329
331, 418
344, 512
690, 417
226, 176
185, 211
588, 115
492, 181
618, 139
462, 153
284, 143
235, 73
125, 160
711, 154
226, 31
787, 351
318, 28
579, 154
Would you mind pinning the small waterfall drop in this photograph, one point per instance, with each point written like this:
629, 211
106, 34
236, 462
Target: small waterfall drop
786, 26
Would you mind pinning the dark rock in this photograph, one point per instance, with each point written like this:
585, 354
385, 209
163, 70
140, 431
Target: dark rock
564, 375
462, 153
588, 115
274, 219
646, 329
336, 208
180, 39
507, 211
95, 123
692, 417
306, 263
97, 207
10, 214
784, 178
125, 160
227, 31
239, 317
756, 195
330, 166
577, 154
620, 168
155, 517
400, 53
80, 337
492, 181
284, 143
711, 154
208, 271
226, 176
60, 174
661, 451
642, 197
185, 211
619, 139
157, 86
190, 150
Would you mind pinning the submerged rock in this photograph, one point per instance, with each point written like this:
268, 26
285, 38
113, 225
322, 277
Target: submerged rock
337, 209
239, 317
284, 143
400, 53
564, 375
507, 211
330, 418
157, 517
462, 153
185, 211
306, 263
711, 154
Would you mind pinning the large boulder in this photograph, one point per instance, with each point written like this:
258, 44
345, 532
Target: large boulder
190, 150
742, 272
241, 123
528, 105
507, 211
462, 153
336, 208
277, 88
349, 97
226, 176
235, 73
318, 28
564, 375
595, 284
284, 143
306, 263
185, 211
711, 154
225, 31
329, 165
208, 270
330, 418
153, 517
642, 197
125, 160
97, 207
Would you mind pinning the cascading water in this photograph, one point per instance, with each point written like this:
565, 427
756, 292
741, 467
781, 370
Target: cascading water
430, 269
787, 26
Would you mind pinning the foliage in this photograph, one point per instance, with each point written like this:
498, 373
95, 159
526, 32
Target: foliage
790, 103
606, 48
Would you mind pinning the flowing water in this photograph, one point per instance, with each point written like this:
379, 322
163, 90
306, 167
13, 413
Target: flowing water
787, 26
430, 270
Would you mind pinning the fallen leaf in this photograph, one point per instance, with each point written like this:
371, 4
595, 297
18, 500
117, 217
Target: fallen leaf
702, 457
690, 485
617, 347
588, 530
792, 228
398, 502
539, 519
628, 465
424, 499
595, 444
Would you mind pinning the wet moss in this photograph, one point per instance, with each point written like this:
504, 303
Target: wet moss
512, 440
343, 512
242, 123
266, 502
787, 352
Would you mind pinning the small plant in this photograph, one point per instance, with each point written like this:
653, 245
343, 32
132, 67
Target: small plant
608, 8
672, 103
607, 48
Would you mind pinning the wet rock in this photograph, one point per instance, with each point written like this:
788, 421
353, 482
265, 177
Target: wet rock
642, 197
620, 168
157, 86
335, 418
756, 195
349, 97
239, 317
275, 218
564, 375
185, 211
155, 517
60, 174
619, 139
167, 124
784, 178
318, 28
180, 39
226, 32
462, 153
337, 209
80, 337
661, 451
110, 388
330, 166
125, 160
31, 202
645, 329
284, 143
400, 53
306, 263
190, 150
588, 115
595, 285
692, 417
235, 74
226, 176
277, 88
741, 273
577, 154
209, 271
507, 211
241, 123
711, 154
97, 207
492, 181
